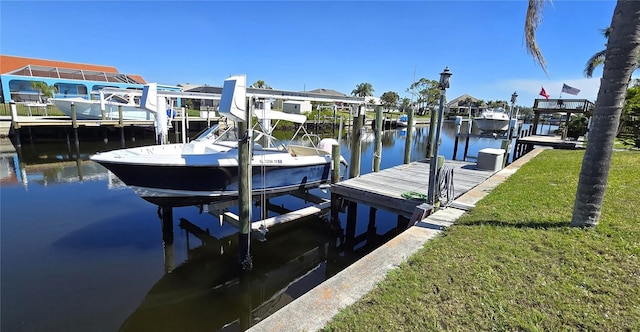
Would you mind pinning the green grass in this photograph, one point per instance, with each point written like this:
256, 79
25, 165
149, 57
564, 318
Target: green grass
513, 262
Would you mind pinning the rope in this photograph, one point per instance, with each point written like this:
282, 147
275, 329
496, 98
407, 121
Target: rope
373, 160
445, 185
414, 195
445, 194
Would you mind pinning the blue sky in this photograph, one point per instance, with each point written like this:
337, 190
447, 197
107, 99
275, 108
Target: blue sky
298, 45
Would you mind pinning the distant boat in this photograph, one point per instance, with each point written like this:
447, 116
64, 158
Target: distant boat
92, 109
492, 121
403, 121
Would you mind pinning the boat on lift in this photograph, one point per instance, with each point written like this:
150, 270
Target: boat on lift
111, 104
206, 170
492, 121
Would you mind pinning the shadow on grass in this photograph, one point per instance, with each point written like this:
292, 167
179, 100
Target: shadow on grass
515, 224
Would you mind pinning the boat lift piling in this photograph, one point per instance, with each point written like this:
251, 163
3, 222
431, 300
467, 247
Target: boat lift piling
408, 140
336, 201
356, 133
244, 188
103, 111
166, 214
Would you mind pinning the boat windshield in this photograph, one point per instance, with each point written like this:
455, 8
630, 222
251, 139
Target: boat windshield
117, 99
216, 133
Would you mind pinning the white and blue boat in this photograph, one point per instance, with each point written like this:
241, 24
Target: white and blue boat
403, 121
206, 169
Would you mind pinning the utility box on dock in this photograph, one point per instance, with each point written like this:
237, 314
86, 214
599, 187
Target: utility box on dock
490, 159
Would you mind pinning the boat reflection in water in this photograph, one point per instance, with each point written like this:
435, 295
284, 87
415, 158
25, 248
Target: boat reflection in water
210, 292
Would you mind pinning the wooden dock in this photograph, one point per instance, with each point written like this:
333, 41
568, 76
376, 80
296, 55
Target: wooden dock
384, 189
527, 143
47, 126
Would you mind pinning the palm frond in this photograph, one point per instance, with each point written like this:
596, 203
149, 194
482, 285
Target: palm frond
593, 62
534, 17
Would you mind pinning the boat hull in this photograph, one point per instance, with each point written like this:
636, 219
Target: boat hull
181, 186
91, 110
492, 125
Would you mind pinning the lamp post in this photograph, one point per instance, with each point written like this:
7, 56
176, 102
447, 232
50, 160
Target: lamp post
433, 163
514, 98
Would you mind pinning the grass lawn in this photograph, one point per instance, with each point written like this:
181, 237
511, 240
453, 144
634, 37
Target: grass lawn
513, 262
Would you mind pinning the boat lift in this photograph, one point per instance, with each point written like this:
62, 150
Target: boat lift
152, 98
252, 93
260, 228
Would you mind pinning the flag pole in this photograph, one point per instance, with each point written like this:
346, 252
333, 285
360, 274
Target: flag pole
561, 93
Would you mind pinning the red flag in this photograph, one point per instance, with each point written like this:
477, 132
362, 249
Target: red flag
544, 93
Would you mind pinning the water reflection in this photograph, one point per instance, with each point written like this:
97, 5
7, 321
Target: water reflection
209, 292
56, 163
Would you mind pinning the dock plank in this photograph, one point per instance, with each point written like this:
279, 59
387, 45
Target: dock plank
384, 189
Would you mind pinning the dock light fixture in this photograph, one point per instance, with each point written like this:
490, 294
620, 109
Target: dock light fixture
514, 98
445, 77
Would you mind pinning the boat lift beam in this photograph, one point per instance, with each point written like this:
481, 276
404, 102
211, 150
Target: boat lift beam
250, 92
260, 228
302, 96
165, 93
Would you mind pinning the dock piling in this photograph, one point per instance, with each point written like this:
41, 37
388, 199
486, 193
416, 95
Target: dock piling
466, 143
74, 116
340, 131
14, 122
455, 144
409, 138
350, 232
335, 158
354, 169
74, 124
377, 152
506, 146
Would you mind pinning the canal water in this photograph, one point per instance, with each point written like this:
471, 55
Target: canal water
81, 252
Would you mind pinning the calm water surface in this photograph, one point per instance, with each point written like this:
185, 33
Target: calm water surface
81, 252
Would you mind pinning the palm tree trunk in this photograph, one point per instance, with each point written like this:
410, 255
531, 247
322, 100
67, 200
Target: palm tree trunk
620, 60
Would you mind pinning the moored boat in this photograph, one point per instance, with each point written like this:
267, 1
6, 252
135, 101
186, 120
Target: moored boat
112, 105
206, 169
492, 121
403, 121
